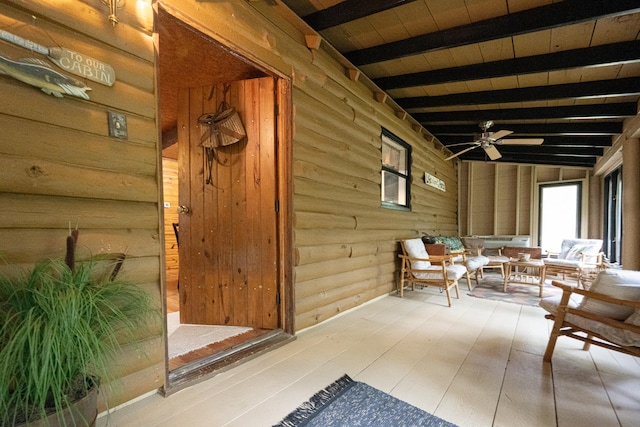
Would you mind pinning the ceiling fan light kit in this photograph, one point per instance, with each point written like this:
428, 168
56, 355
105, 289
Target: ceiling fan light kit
489, 140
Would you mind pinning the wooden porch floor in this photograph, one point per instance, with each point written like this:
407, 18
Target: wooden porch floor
478, 363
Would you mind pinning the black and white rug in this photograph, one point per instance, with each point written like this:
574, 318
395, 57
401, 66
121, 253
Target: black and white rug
351, 403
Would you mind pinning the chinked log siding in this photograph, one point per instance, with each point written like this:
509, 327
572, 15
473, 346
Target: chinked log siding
345, 242
59, 164
59, 167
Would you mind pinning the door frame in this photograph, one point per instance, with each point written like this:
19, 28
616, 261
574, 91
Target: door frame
284, 191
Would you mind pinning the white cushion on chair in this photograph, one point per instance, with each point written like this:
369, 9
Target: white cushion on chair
498, 258
551, 303
551, 262
454, 272
611, 333
475, 262
622, 284
575, 247
613, 276
629, 291
415, 249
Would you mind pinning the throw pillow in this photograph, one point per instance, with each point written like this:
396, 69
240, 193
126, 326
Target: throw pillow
613, 276
454, 243
575, 253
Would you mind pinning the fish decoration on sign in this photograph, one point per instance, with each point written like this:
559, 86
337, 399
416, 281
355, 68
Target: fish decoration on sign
70, 61
38, 73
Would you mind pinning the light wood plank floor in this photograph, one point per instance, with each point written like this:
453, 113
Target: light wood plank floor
476, 364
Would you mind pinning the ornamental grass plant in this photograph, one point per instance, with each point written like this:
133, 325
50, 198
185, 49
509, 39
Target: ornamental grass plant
60, 328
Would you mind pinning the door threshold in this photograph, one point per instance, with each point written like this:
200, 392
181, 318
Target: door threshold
207, 367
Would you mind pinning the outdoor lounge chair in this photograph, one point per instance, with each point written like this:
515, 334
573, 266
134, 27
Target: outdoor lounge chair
577, 257
418, 267
606, 315
470, 256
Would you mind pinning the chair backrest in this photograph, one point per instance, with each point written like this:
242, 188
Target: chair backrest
572, 249
414, 248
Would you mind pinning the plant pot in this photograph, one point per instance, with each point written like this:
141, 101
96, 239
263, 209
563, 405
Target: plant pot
83, 412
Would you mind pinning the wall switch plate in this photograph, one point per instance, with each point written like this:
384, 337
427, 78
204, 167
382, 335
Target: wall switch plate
117, 125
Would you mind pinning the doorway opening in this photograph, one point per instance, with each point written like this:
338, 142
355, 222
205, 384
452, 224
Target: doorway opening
226, 207
560, 214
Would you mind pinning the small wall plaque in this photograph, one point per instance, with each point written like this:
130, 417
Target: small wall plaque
434, 182
117, 125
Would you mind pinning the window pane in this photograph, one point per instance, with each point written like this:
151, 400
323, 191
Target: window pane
394, 188
396, 159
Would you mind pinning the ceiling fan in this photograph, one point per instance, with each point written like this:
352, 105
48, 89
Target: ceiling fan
488, 141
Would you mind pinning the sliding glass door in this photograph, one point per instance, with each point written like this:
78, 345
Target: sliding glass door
613, 216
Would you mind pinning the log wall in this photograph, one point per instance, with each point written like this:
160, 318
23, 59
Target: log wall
59, 166
345, 242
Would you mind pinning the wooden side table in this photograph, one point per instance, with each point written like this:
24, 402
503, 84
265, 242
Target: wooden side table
532, 272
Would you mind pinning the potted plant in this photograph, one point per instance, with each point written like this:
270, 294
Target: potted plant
61, 324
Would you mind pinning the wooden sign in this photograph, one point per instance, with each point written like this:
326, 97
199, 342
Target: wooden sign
82, 65
73, 62
434, 182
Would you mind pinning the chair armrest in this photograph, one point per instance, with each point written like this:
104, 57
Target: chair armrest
439, 258
408, 258
473, 251
589, 259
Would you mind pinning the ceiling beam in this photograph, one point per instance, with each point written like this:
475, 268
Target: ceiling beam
588, 111
553, 161
611, 54
563, 141
479, 155
592, 89
545, 17
573, 128
349, 10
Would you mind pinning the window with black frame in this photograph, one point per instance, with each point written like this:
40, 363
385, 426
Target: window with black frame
396, 175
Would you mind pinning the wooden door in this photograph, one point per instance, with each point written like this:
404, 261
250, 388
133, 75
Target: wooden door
228, 239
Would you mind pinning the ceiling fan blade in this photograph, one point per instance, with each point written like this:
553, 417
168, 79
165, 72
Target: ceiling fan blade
521, 141
492, 152
500, 134
461, 152
462, 143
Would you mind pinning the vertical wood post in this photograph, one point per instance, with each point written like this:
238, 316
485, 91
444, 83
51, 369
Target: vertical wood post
631, 204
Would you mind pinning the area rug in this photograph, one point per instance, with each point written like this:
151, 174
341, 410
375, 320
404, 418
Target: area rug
491, 287
185, 338
351, 403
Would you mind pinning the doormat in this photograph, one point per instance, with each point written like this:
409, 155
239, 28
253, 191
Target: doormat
185, 338
351, 403
491, 287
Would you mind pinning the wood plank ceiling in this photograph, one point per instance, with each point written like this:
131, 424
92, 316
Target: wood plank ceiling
567, 71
